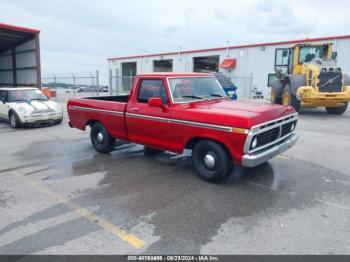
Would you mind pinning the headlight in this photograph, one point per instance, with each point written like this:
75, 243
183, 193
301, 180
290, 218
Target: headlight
254, 143
58, 107
292, 127
22, 110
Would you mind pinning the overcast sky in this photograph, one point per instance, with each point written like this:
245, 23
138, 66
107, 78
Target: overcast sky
78, 36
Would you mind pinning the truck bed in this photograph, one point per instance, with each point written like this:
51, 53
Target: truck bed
110, 110
120, 98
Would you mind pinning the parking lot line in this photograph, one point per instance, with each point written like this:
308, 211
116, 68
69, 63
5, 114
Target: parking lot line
83, 212
282, 157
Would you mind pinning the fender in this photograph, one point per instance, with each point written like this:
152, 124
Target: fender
296, 81
278, 87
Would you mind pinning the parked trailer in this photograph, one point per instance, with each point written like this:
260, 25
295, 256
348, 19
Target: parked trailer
19, 56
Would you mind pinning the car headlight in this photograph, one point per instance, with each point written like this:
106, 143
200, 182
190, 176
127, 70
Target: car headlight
58, 108
292, 127
254, 143
22, 110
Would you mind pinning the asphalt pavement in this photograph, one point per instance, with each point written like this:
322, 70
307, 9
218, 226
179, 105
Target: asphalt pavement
59, 196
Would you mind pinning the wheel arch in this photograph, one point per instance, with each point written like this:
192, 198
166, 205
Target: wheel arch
278, 87
190, 144
296, 81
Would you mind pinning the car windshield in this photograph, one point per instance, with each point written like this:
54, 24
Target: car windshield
26, 95
188, 89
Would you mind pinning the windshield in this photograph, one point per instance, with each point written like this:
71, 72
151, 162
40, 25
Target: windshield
26, 95
307, 53
188, 89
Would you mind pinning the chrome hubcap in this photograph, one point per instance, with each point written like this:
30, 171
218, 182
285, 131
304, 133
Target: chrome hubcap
13, 120
100, 137
209, 161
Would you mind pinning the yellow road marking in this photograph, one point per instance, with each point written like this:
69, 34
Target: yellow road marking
282, 157
85, 213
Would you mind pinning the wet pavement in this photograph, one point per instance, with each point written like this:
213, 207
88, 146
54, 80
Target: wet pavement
58, 195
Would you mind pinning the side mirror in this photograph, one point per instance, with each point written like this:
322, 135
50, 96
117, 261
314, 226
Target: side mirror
334, 55
155, 102
3, 100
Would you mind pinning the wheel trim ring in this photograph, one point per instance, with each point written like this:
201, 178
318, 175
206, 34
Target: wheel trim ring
273, 95
209, 160
286, 98
13, 120
99, 137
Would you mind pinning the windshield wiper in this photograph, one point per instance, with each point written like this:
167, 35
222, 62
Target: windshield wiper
21, 100
197, 97
40, 99
216, 95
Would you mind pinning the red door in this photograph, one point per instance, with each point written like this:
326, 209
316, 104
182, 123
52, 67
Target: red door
149, 125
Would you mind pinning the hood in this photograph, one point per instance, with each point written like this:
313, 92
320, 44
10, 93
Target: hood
242, 113
36, 105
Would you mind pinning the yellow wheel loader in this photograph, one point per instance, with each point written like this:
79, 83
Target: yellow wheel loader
307, 75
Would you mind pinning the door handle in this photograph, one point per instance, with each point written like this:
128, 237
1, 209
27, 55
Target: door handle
134, 109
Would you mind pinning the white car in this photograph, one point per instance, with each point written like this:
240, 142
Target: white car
26, 106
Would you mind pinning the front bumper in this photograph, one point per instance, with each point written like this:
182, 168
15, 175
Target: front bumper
308, 96
42, 119
252, 160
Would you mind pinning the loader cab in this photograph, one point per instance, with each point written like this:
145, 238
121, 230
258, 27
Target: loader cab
290, 60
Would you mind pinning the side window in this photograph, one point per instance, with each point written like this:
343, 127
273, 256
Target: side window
270, 79
281, 56
151, 88
3, 95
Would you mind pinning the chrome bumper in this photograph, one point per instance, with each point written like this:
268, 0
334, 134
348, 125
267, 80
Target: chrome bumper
252, 160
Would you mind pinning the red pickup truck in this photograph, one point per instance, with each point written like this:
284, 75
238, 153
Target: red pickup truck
173, 112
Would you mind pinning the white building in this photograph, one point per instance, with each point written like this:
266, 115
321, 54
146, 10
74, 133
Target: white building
249, 66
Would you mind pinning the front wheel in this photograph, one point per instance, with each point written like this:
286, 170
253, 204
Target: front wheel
211, 161
14, 120
288, 99
337, 110
102, 141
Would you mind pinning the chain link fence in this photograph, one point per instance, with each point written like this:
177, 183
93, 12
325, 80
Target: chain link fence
63, 87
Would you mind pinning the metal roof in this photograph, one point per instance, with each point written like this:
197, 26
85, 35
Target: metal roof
11, 36
235, 47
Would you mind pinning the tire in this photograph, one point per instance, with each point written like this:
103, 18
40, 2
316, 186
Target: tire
14, 120
288, 99
274, 96
102, 141
204, 154
337, 110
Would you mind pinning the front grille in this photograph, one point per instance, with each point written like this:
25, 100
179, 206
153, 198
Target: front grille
267, 136
44, 111
330, 81
287, 128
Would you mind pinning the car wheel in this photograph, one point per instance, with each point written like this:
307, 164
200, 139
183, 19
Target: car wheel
14, 120
288, 99
337, 110
211, 161
102, 141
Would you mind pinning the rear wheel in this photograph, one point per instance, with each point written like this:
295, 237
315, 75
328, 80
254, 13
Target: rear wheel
102, 141
211, 161
14, 120
288, 99
337, 110
274, 98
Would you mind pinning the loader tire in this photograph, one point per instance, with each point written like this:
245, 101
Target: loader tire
337, 110
288, 99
